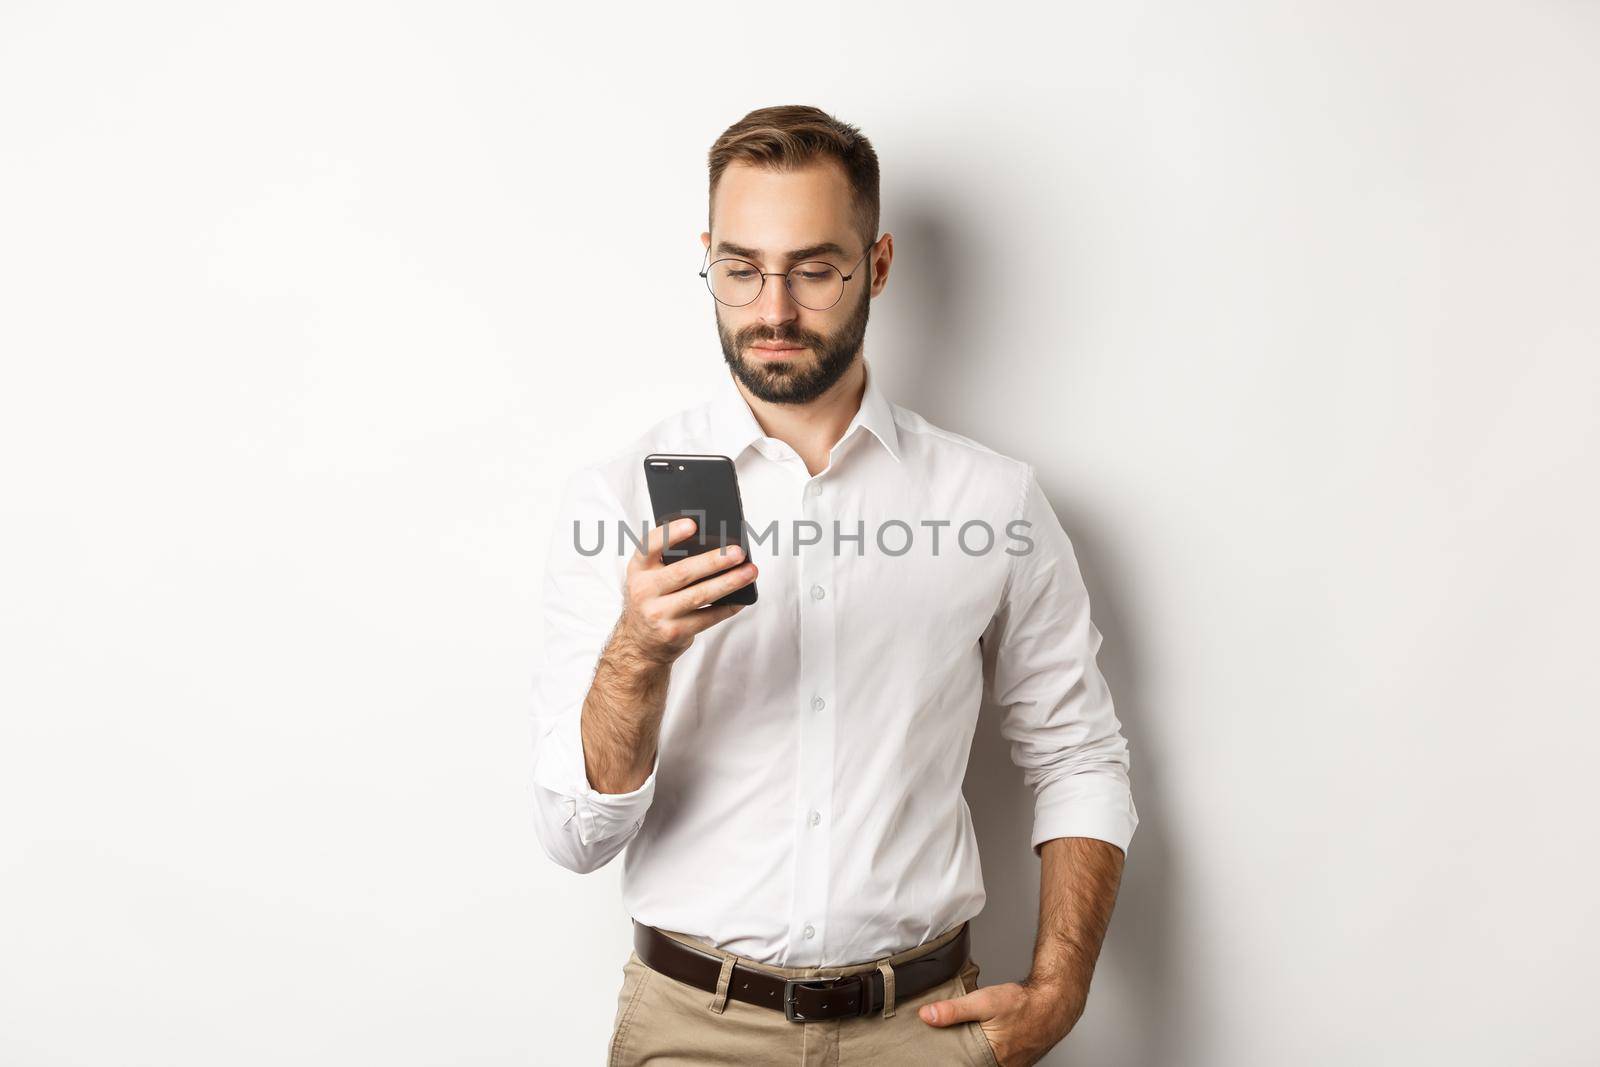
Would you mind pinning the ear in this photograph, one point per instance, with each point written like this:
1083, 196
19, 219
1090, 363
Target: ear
705, 239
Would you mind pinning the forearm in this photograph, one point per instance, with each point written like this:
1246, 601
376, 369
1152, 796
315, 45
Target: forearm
621, 721
1079, 878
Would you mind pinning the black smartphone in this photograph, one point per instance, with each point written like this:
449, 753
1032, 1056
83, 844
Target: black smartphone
705, 489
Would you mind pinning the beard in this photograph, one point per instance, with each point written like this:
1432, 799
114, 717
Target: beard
795, 381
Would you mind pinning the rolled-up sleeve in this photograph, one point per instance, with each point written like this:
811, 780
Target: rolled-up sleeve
1058, 715
578, 827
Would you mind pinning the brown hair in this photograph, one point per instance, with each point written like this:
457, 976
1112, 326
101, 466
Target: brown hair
794, 135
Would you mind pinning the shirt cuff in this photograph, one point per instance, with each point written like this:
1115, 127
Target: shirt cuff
1103, 814
596, 815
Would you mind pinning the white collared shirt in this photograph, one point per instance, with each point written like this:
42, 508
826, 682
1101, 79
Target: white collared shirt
805, 806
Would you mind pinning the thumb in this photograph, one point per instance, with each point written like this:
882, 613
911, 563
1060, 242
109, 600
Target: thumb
975, 1005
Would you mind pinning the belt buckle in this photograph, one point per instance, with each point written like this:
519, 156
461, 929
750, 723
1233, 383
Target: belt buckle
791, 987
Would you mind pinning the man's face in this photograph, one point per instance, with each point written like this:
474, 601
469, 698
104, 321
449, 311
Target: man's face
763, 216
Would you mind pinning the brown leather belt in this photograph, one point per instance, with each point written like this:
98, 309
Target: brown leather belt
801, 999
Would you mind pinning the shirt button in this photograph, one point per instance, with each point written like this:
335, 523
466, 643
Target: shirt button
810, 932
816, 817
817, 703
817, 592
814, 489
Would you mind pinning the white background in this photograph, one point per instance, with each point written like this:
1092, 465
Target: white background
306, 309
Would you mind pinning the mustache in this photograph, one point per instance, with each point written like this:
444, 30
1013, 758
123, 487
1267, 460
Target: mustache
790, 338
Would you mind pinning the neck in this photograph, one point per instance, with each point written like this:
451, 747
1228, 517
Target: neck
813, 428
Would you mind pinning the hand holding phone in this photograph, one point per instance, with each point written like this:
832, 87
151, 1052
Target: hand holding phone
665, 602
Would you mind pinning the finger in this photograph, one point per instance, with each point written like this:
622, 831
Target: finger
649, 555
690, 600
677, 575
704, 620
972, 1007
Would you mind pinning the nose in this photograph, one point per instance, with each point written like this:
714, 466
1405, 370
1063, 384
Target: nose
775, 306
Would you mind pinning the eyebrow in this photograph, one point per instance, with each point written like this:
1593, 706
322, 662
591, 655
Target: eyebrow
827, 248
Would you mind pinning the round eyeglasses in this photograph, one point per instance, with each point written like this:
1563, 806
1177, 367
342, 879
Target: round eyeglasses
815, 285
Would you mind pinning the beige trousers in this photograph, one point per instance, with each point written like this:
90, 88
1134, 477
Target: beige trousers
663, 1022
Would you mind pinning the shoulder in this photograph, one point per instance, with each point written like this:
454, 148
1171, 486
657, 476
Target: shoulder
945, 454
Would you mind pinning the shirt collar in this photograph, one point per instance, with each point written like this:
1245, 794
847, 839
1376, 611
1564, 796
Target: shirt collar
733, 426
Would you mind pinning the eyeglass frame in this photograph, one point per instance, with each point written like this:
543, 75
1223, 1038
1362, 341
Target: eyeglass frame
765, 274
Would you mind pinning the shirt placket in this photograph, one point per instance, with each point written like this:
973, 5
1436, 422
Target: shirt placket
816, 704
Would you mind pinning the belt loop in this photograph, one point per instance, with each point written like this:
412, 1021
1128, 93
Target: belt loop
888, 988
724, 979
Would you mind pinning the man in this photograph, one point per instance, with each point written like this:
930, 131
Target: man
786, 776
